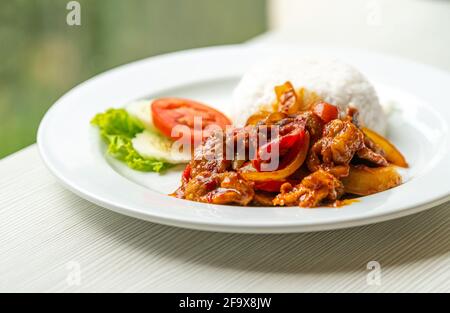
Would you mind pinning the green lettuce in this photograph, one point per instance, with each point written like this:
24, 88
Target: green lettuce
117, 129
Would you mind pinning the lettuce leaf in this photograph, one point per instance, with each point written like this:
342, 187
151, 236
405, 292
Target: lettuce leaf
117, 129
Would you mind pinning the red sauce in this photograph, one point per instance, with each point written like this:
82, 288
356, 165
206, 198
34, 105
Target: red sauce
341, 203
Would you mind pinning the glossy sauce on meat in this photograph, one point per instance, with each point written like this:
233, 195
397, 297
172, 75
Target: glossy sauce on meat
336, 146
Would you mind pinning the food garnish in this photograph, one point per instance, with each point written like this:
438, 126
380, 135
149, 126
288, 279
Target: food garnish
141, 135
118, 128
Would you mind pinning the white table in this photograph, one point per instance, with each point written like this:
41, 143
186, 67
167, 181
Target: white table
53, 241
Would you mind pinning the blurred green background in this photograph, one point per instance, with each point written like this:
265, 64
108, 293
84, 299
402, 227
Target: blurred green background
41, 57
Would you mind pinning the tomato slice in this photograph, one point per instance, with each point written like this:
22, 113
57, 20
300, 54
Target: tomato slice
327, 112
168, 113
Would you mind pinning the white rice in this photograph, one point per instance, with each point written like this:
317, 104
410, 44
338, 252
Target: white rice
335, 82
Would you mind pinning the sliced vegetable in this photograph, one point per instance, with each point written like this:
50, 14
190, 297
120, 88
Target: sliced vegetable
293, 160
283, 142
117, 129
307, 99
167, 113
152, 144
274, 118
327, 112
392, 154
186, 173
256, 118
287, 98
141, 110
363, 180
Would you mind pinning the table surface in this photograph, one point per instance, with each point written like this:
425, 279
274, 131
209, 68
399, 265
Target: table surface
53, 241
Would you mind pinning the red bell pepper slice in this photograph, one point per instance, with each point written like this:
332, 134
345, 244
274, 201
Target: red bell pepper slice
327, 112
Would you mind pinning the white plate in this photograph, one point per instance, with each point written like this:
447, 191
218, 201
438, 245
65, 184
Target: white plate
73, 151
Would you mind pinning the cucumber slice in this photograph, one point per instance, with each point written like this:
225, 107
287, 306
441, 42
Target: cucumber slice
153, 145
141, 110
